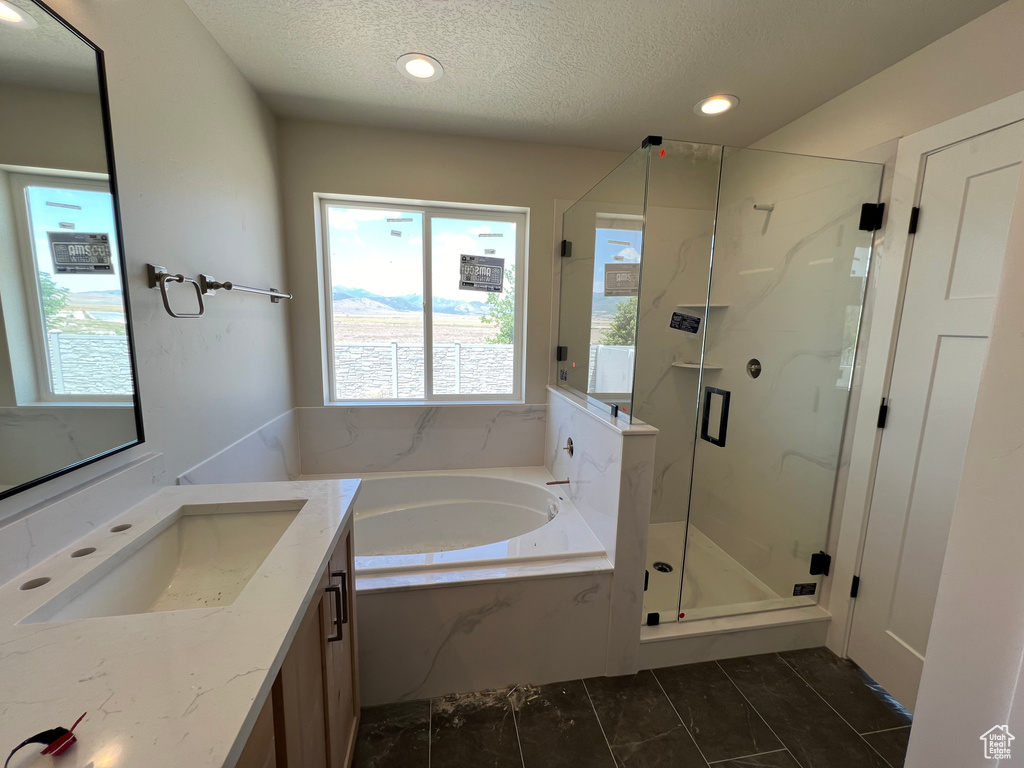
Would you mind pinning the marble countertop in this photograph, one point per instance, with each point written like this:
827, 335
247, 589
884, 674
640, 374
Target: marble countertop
176, 688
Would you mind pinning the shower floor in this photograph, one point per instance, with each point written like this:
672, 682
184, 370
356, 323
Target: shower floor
713, 579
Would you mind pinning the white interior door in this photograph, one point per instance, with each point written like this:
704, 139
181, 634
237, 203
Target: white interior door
966, 200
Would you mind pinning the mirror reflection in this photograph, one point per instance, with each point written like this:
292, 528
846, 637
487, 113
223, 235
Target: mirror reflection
67, 393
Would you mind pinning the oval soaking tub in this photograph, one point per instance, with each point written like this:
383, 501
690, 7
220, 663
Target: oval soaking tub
411, 521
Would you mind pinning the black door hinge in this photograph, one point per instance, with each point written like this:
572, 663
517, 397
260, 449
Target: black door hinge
883, 413
566, 249
561, 354
855, 586
821, 563
915, 215
871, 216
647, 580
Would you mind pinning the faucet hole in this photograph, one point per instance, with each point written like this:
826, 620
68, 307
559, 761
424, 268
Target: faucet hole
121, 527
33, 583
83, 552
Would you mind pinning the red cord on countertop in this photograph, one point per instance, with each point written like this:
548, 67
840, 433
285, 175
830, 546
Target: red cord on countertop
57, 740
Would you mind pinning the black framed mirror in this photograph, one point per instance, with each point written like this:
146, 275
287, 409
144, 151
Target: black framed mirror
69, 390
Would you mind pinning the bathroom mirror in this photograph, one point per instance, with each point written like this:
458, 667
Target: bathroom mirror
68, 383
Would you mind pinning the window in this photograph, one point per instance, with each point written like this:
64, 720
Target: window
423, 302
72, 289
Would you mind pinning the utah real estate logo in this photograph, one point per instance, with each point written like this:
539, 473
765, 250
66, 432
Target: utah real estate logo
997, 742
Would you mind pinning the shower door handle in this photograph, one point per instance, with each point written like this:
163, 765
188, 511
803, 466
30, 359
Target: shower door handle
723, 419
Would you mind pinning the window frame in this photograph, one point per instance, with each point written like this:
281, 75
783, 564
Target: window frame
429, 211
19, 183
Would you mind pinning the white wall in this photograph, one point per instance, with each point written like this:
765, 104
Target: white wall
45, 128
973, 673
972, 66
358, 160
195, 152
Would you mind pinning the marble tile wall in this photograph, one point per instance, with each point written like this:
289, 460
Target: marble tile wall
393, 438
267, 454
418, 643
610, 477
792, 281
42, 530
40, 439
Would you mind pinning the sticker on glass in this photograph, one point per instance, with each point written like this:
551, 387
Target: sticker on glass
621, 279
80, 252
481, 273
682, 322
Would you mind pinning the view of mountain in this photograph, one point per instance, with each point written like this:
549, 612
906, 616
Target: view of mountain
606, 306
359, 301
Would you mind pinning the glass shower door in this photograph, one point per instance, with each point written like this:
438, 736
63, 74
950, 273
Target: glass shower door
788, 276
600, 285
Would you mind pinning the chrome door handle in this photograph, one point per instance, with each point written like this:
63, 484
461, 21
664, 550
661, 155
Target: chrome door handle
335, 589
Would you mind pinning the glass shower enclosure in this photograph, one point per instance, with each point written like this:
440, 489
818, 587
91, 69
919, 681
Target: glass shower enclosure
716, 294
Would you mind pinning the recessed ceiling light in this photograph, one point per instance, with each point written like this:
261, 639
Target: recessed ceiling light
716, 105
420, 66
15, 16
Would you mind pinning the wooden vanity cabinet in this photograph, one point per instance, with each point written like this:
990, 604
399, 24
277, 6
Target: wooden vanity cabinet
315, 699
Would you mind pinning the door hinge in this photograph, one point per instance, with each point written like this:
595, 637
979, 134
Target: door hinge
821, 563
855, 586
561, 354
915, 215
871, 216
883, 413
647, 580
566, 249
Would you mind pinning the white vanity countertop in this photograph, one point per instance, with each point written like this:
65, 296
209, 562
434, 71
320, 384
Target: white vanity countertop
175, 688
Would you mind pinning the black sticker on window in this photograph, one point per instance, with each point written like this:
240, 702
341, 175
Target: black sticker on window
687, 323
802, 590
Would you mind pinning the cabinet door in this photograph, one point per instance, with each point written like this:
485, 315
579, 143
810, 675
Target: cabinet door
300, 692
261, 750
342, 669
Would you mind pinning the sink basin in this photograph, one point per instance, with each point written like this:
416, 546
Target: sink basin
201, 556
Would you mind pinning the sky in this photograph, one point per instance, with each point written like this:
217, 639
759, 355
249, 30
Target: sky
96, 216
606, 250
365, 253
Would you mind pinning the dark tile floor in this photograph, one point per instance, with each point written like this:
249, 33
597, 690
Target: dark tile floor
800, 709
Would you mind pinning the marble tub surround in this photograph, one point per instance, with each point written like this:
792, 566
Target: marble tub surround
267, 454
170, 688
42, 530
524, 608
340, 439
611, 475
417, 643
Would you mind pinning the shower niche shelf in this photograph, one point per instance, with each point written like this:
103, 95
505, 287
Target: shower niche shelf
696, 366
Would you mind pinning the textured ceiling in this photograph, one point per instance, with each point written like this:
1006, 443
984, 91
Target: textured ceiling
594, 73
45, 56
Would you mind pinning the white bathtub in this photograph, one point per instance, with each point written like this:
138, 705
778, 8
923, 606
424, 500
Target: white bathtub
409, 522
